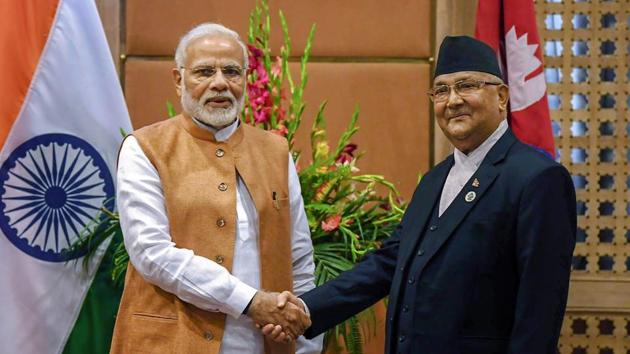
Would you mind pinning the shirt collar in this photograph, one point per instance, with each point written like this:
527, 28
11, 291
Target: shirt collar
475, 157
222, 134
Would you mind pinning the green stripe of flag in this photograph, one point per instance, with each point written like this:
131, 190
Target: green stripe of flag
92, 332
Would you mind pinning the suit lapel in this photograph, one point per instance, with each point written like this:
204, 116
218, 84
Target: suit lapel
461, 206
427, 198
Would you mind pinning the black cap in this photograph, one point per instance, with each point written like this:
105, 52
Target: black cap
463, 53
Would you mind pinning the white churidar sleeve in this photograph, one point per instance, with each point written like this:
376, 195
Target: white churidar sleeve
193, 279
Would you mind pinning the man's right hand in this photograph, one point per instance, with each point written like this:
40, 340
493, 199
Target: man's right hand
275, 331
266, 311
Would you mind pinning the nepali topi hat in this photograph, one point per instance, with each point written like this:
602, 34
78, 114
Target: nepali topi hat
463, 53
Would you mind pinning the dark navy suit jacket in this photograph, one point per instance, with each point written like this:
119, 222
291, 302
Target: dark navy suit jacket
493, 280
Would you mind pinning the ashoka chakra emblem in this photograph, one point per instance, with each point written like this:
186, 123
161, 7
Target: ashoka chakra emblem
51, 186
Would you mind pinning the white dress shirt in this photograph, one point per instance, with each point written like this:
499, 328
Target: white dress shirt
198, 280
465, 166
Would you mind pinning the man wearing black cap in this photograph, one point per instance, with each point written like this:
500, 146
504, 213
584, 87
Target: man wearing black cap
481, 260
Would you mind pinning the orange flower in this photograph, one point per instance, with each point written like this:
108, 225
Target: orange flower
332, 223
321, 192
282, 130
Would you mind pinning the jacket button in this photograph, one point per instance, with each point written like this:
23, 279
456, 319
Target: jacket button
420, 253
208, 335
432, 228
221, 222
411, 280
405, 308
219, 153
223, 187
402, 338
219, 259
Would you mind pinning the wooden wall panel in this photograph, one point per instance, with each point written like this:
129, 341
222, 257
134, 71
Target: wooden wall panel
394, 118
148, 85
109, 12
345, 28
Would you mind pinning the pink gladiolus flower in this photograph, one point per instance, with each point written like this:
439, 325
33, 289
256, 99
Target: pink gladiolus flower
343, 158
282, 131
261, 96
255, 91
280, 113
260, 100
254, 51
254, 61
332, 223
276, 67
349, 149
347, 155
254, 55
262, 78
261, 116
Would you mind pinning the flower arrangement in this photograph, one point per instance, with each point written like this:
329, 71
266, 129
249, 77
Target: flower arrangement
346, 215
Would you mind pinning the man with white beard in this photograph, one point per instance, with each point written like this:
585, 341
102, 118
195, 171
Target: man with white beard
211, 213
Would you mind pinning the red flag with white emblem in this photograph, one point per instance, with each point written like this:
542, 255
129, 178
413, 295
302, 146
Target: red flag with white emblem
509, 26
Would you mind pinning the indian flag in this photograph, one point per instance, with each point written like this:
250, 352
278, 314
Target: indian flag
61, 111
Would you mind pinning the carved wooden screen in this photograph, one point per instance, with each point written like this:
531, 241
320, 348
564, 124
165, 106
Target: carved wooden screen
586, 47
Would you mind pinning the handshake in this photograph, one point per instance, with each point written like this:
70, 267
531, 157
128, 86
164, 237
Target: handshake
281, 316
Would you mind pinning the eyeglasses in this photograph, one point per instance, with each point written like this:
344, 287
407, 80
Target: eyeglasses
466, 87
233, 73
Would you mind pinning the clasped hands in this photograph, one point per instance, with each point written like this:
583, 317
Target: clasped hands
281, 316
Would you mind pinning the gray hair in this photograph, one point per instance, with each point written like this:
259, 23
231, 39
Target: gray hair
206, 29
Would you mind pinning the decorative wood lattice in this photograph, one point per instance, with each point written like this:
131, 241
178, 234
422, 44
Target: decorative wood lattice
586, 48
593, 334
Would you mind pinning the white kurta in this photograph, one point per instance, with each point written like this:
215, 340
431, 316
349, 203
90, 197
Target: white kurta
466, 165
198, 280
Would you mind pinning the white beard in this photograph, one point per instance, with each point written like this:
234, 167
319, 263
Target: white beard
214, 117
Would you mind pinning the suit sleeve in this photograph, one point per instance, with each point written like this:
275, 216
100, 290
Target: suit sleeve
355, 289
545, 238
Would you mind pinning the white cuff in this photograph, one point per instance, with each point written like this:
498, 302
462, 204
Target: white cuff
238, 300
308, 313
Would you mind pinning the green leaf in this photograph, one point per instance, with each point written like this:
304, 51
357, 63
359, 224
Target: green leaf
170, 109
348, 133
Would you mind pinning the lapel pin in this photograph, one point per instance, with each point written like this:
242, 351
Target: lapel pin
470, 196
475, 183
